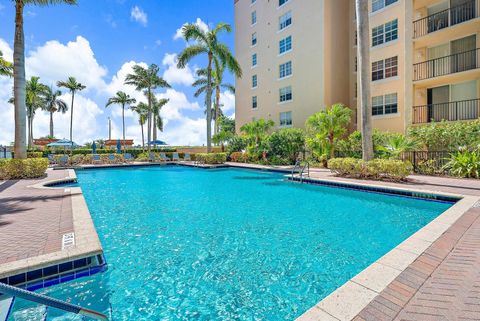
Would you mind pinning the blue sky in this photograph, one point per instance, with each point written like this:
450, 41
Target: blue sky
98, 42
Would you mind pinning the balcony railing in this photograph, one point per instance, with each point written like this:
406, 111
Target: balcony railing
446, 18
451, 111
447, 65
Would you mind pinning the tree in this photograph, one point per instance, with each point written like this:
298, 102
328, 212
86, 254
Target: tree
19, 90
226, 131
147, 79
363, 32
123, 100
142, 110
35, 99
325, 127
157, 105
74, 87
287, 144
396, 145
6, 67
256, 132
206, 42
54, 104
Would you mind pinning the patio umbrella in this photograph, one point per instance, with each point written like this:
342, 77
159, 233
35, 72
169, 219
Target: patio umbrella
119, 147
157, 142
63, 143
94, 148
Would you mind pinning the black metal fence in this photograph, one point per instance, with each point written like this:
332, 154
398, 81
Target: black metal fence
458, 62
446, 18
451, 111
5, 152
427, 162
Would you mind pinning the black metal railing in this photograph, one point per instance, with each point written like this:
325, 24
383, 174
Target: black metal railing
427, 162
466, 11
459, 62
451, 111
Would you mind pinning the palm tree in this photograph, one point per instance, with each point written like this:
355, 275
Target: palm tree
35, 99
157, 105
147, 79
19, 72
363, 31
123, 100
327, 126
256, 132
6, 67
54, 104
206, 42
142, 110
74, 86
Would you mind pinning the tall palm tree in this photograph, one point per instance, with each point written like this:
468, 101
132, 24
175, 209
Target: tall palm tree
147, 79
6, 67
142, 110
35, 99
73, 86
19, 72
363, 31
123, 100
157, 105
54, 104
206, 42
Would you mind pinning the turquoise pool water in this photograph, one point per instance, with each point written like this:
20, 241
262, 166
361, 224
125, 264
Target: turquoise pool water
228, 244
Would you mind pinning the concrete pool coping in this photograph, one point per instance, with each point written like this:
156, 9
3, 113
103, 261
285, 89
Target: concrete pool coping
87, 243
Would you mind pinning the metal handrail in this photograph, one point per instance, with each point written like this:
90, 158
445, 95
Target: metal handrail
50, 302
306, 166
451, 111
297, 165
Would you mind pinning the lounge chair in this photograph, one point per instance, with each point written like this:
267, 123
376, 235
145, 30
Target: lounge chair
111, 159
96, 159
164, 157
63, 161
51, 159
175, 157
187, 157
152, 157
128, 157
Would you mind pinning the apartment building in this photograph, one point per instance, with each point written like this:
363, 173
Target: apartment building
299, 56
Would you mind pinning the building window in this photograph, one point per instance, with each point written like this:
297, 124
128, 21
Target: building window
380, 4
285, 69
384, 105
282, 2
385, 68
254, 17
356, 64
286, 94
286, 119
254, 81
285, 44
385, 33
285, 20
355, 38
254, 39
254, 60
254, 102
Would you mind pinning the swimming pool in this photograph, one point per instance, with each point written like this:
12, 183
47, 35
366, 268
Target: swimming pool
228, 244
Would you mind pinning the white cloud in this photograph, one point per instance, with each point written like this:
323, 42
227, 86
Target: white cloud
138, 15
6, 50
55, 61
187, 132
227, 99
203, 26
174, 75
178, 101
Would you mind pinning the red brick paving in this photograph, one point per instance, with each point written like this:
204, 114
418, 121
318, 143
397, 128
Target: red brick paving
33, 221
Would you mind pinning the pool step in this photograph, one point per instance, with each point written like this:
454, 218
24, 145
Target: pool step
5, 308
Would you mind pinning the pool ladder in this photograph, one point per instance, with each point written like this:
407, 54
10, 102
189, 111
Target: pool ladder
304, 170
14, 292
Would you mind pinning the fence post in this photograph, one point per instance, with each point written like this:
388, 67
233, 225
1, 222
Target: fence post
414, 161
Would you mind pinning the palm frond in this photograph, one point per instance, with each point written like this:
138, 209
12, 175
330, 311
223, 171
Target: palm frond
190, 52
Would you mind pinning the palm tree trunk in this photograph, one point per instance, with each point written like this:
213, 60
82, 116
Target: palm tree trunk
71, 122
19, 84
149, 119
217, 108
143, 139
31, 132
123, 124
154, 129
51, 124
209, 103
363, 30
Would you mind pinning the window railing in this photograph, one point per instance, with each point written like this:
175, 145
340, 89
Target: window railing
450, 111
446, 18
447, 65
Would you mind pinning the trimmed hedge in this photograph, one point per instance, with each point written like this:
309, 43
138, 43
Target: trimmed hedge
212, 158
34, 155
239, 157
144, 156
22, 168
381, 169
101, 151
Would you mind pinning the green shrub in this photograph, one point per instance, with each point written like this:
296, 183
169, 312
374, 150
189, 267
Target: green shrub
239, 157
285, 145
211, 158
88, 151
237, 144
464, 164
382, 169
23, 168
35, 154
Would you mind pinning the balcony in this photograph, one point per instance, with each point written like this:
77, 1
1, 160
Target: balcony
451, 111
446, 18
442, 66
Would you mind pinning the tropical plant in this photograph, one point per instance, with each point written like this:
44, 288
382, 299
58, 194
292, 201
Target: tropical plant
206, 42
226, 131
237, 144
287, 144
325, 128
157, 105
396, 145
148, 80
363, 58
142, 110
19, 89
54, 104
464, 163
73, 86
6, 67
256, 133
122, 99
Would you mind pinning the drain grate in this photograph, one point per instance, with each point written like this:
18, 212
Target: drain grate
68, 240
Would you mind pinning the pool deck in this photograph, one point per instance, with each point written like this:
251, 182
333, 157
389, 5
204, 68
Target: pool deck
433, 275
